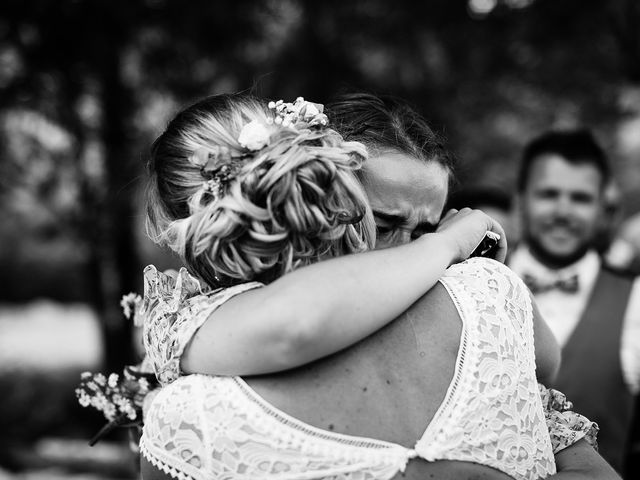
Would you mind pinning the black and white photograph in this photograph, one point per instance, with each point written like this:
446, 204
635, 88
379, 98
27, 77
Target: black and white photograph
320, 240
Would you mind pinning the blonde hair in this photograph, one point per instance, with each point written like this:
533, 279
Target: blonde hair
295, 202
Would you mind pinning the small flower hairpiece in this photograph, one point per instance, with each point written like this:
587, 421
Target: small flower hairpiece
254, 136
293, 114
219, 165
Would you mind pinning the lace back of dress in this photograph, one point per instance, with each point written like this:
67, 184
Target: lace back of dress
202, 428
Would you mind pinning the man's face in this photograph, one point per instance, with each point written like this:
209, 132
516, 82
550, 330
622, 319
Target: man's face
561, 207
406, 195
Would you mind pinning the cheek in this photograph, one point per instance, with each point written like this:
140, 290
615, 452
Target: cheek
538, 210
532, 212
590, 216
382, 243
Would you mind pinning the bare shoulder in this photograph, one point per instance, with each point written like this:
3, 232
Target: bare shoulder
437, 326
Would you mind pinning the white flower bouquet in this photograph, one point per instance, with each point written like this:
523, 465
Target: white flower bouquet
118, 397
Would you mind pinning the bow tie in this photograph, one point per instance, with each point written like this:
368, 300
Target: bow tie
566, 284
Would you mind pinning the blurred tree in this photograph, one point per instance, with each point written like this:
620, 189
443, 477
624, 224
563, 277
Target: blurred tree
103, 77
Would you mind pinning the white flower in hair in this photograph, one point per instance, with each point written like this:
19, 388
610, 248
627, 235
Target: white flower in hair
301, 113
254, 136
310, 111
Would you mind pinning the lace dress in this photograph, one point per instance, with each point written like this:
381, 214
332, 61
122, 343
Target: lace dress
202, 427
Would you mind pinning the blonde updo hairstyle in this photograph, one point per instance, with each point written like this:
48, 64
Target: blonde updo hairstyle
293, 202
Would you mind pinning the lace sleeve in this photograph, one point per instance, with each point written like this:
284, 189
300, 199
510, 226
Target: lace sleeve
172, 310
565, 426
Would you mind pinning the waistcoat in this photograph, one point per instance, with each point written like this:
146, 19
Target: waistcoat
591, 373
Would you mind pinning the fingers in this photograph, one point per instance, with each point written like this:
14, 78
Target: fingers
467, 227
501, 250
450, 214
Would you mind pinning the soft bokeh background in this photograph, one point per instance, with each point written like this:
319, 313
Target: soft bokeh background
86, 85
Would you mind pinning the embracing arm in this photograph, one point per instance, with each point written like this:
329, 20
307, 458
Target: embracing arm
580, 461
322, 308
577, 462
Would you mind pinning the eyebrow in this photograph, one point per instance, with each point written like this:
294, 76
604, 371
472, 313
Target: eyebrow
388, 217
399, 219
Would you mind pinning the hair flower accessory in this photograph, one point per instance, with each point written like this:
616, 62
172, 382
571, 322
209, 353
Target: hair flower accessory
294, 114
218, 165
254, 136
210, 159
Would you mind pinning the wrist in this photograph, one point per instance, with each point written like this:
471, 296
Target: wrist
440, 246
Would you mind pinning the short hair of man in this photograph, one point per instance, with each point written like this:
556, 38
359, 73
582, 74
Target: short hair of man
385, 122
578, 147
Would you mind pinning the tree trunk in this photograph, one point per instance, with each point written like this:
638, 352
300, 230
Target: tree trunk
119, 265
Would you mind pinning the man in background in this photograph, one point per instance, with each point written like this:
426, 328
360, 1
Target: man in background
593, 311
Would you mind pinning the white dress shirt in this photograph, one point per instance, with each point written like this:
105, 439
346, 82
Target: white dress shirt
563, 310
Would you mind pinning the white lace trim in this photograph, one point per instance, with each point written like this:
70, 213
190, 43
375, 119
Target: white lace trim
307, 429
227, 434
444, 408
164, 467
492, 413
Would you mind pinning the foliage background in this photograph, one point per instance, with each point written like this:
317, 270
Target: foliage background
85, 86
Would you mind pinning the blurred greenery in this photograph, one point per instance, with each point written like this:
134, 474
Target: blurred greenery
85, 86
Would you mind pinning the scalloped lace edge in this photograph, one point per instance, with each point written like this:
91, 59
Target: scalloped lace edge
161, 465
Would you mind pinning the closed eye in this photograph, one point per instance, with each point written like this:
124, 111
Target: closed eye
385, 222
385, 229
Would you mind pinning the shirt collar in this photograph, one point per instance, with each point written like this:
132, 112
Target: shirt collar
522, 261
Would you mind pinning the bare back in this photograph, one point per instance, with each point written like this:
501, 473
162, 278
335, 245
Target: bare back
388, 387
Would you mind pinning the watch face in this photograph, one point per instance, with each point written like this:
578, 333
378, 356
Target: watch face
487, 246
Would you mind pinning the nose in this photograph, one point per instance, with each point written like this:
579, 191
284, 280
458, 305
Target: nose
563, 205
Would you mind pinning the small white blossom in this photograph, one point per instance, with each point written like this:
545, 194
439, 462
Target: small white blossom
114, 396
144, 385
310, 111
129, 304
113, 380
254, 136
100, 379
